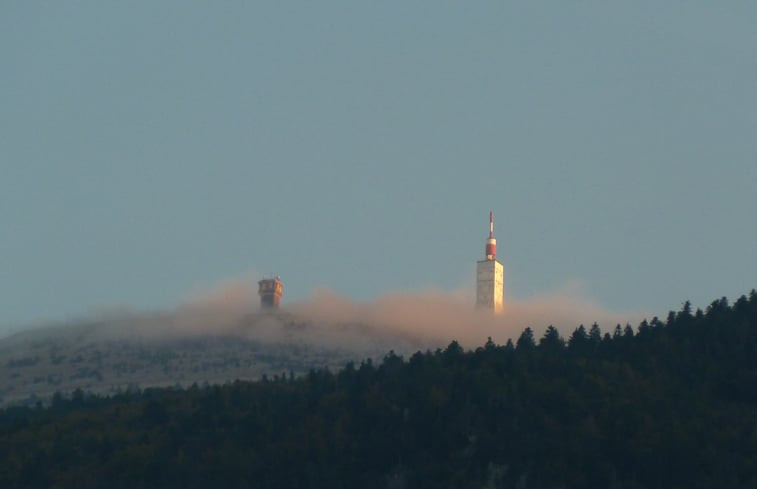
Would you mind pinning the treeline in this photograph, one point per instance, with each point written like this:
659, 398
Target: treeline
672, 404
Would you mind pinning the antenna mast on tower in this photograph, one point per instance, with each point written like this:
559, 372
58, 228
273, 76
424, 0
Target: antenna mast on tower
490, 273
491, 243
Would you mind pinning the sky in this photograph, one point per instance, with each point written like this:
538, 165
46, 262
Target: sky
149, 150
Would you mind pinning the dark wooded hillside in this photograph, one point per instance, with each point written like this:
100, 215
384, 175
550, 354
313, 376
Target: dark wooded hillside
671, 404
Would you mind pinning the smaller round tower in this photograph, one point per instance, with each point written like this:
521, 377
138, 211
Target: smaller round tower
270, 290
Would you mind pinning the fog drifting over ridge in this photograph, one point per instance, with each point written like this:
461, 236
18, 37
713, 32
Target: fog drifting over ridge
399, 320
221, 335
432, 317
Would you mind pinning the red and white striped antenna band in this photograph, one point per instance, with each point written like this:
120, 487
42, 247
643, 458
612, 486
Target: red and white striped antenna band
491, 243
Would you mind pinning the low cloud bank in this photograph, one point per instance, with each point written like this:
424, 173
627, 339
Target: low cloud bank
438, 317
402, 321
428, 318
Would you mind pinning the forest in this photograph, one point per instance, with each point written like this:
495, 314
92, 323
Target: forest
671, 403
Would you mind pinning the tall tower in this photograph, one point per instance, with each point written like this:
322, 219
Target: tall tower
269, 290
490, 275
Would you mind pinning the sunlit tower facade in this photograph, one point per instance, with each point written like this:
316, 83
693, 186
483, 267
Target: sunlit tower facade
490, 276
270, 290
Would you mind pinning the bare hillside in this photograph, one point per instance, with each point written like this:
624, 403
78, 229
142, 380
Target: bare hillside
110, 356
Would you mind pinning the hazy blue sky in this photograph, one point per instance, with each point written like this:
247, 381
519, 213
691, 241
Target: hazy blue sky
150, 149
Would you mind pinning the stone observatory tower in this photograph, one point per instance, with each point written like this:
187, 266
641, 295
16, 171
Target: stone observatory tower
270, 290
490, 275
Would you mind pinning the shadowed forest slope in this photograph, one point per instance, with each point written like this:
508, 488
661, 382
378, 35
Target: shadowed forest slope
670, 404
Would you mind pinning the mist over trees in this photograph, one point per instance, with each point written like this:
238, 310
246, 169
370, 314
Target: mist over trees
671, 404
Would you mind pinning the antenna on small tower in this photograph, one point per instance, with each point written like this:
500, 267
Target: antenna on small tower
491, 224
